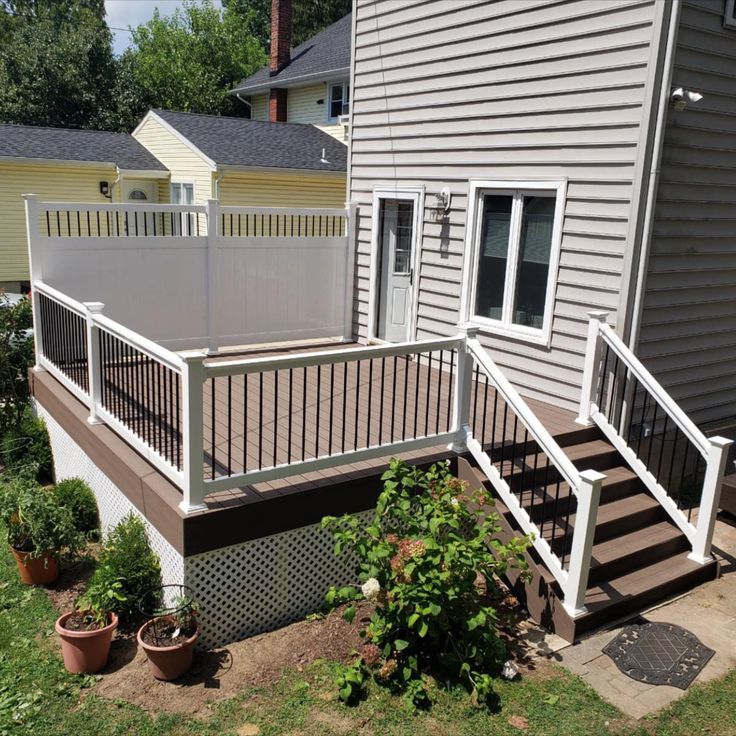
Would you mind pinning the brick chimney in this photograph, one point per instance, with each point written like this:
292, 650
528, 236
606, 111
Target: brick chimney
280, 34
280, 56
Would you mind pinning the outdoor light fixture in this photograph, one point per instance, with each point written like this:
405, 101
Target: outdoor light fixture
105, 189
682, 97
443, 200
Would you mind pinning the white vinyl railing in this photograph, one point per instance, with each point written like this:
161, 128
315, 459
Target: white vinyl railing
681, 467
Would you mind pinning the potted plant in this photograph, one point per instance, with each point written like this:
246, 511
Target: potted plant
168, 639
86, 634
38, 528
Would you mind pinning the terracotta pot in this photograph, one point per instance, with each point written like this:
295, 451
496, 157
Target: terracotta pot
36, 570
85, 651
168, 663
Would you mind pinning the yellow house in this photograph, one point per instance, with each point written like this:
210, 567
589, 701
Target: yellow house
65, 166
307, 84
244, 162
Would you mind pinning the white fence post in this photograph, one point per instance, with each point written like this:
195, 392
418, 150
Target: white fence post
591, 367
213, 211
351, 213
463, 383
192, 386
94, 363
581, 550
714, 471
35, 261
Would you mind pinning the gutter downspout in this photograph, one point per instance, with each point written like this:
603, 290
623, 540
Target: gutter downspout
115, 183
247, 104
652, 189
219, 174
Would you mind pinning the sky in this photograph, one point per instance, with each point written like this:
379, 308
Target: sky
124, 13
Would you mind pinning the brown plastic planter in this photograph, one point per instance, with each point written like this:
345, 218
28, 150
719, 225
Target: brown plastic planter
85, 651
168, 663
36, 570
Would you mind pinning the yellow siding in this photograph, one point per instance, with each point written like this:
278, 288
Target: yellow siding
259, 104
52, 183
302, 107
282, 190
184, 164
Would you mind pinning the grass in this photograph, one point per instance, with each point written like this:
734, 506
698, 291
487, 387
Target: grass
37, 696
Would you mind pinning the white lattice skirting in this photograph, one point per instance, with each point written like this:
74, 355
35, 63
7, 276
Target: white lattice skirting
242, 590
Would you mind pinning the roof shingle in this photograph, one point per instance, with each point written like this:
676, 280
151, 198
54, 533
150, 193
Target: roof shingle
241, 142
323, 54
63, 144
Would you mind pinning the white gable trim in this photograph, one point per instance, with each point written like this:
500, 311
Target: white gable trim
181, 138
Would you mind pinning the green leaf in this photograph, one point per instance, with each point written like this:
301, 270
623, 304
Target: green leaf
551, 699
423, 629
349, 614
400, 645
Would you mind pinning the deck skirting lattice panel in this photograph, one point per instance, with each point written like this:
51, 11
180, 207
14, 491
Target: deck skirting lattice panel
265, 583
71, 461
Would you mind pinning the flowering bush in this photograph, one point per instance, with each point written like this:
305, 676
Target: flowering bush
430, 559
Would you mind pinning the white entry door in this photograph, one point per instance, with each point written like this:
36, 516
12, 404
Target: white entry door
396, 242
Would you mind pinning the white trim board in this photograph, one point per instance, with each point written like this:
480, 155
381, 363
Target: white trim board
171, 129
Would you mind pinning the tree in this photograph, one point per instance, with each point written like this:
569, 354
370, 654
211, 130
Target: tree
312, 16
189, 61
56, 63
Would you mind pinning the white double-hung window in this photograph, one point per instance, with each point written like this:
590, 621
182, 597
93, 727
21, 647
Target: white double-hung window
512, 247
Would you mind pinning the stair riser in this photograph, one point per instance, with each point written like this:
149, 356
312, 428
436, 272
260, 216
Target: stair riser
567, 439
627, 562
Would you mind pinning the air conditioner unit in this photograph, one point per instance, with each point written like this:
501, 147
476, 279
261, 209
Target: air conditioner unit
343, 120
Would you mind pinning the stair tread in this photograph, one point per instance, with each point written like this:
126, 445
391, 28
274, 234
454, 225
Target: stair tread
635, 541
642, 580
586, 449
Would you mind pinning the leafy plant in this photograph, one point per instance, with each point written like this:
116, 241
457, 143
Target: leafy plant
128, 566
77, 496
430, 559
101, 597
34, 521
26, 446
16, 356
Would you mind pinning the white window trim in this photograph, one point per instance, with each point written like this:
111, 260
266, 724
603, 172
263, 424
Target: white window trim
416, 195
478, 187
183, 183
345, 85
729, 14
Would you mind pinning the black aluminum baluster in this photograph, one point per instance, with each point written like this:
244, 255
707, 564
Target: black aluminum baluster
393, 402
357, 403
380, 410
229, 425
245, 422
370, 402
291, 407
661, 448
275, 415
332, 406
260, 420
304, 413
344, 405
213, 382
450, 390
319, 397
416, 394
439, 393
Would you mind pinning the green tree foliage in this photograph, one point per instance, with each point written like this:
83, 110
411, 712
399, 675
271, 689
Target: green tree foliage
56, 63
189, 61
16, 356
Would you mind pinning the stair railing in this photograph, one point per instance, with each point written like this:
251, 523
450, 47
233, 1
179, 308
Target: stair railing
531, 473
681, 467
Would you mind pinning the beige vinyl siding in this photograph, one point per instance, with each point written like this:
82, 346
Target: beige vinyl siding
259, 104
688, 329
52, 183
185, 165
453, 90
302, 106
268, 189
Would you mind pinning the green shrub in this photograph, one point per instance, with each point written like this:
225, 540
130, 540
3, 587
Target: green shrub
127, 558
16, 357
77, 496
26, 445
430, 559
34, 521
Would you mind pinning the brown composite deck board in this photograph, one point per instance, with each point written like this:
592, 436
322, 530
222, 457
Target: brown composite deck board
416, 395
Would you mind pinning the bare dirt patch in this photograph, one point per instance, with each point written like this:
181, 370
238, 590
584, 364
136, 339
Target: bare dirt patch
72, 581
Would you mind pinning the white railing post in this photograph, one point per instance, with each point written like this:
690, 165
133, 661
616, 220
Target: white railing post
192, 386
212, 217
714, 471
591, 366
35, 261
463, 383
581, 550
351, 213
94, 363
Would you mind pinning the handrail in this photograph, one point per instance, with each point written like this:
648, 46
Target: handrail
543, 438
60, 297
120, 207
301, 212
650, 383
327, 357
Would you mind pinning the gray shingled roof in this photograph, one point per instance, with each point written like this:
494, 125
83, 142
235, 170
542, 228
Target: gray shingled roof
323, 54
241, 142
62, 144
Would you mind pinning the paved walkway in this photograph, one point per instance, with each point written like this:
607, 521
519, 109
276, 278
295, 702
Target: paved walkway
709, 612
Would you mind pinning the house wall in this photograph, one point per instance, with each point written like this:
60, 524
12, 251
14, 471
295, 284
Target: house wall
688, 328
269, 189
185, 165
51, 182
302, 107
453, 90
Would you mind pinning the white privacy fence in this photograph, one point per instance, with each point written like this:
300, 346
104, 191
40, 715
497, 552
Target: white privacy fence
200, 276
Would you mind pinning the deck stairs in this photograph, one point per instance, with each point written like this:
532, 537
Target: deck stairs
640, 557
